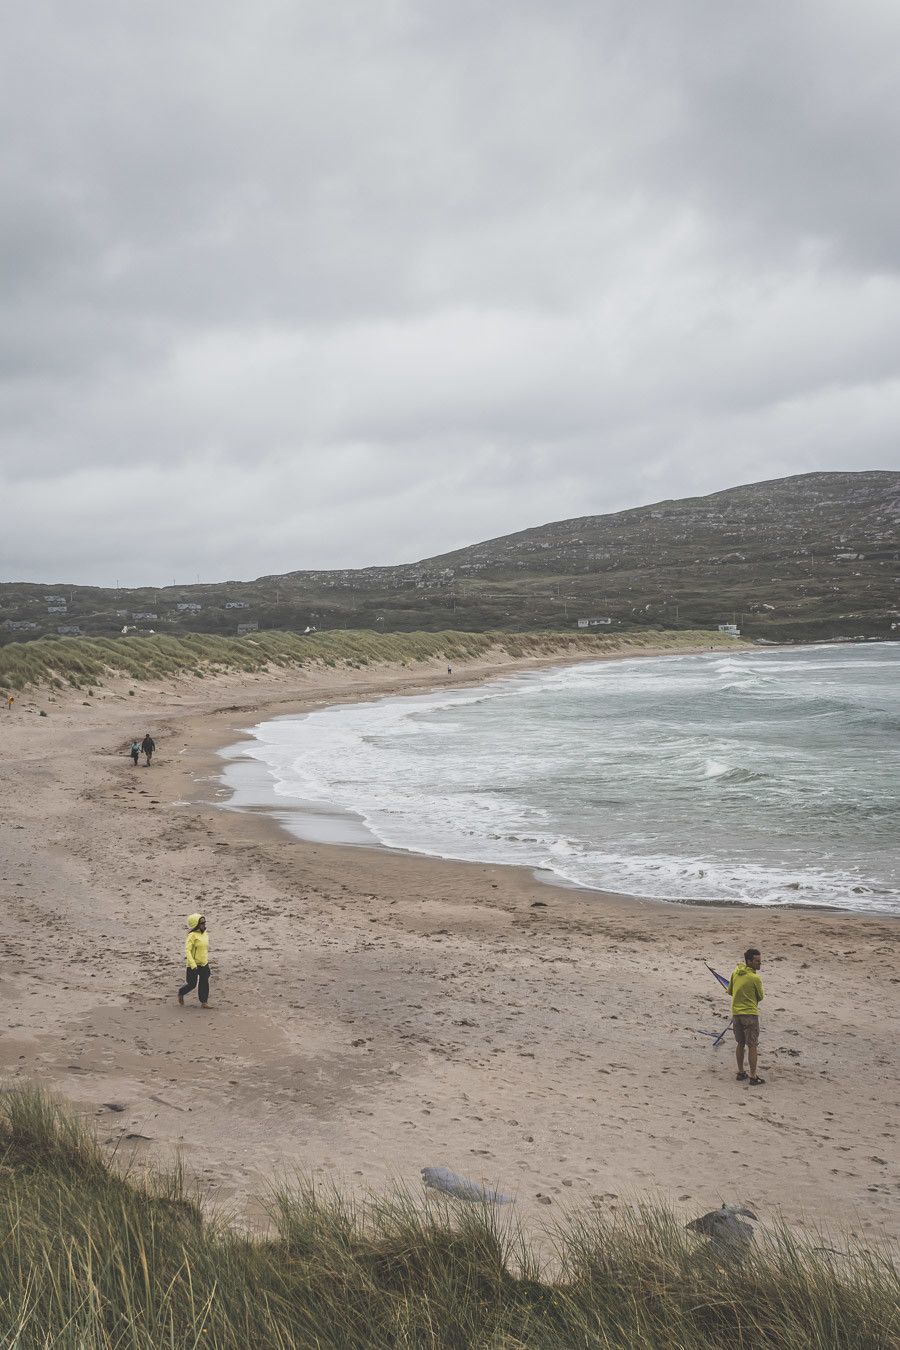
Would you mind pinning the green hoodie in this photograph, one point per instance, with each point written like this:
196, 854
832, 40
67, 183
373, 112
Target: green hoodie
746, 990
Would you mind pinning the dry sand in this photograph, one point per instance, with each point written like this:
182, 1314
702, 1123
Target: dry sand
376, 1012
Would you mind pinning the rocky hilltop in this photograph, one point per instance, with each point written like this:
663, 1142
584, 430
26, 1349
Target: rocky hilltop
807, 557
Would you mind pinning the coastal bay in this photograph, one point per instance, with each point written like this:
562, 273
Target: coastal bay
376, 1011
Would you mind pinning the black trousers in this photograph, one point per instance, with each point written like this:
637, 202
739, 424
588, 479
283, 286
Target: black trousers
198, 974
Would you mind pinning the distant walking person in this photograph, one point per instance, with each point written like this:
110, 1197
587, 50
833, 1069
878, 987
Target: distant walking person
135, 751
196, 951
746, 990
9, 702
148, 745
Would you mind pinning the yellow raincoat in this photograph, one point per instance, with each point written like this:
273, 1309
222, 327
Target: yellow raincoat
746, 990
196, 946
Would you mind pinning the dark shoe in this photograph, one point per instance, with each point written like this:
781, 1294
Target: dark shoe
756, 1082
741, 1077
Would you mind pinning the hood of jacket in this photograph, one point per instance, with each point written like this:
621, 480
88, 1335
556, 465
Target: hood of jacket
193, 920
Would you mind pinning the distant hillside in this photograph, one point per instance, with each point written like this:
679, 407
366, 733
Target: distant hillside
813, 556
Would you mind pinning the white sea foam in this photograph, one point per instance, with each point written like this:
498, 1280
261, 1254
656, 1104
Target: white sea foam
764, 778
715, 768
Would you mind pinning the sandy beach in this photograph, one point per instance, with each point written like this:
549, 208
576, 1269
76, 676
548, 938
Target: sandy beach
377, 1012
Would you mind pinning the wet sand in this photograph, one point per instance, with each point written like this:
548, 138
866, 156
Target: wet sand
376, 1012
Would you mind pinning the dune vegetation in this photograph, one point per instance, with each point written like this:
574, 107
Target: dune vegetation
81, 661
95, 1254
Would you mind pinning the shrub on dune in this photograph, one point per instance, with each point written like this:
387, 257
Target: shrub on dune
95, 1255
80, 661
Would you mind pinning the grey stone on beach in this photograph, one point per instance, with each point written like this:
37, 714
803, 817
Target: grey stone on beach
449, 1183
723, 1226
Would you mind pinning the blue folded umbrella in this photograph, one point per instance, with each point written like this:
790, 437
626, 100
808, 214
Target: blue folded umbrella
721, 978
716, 1036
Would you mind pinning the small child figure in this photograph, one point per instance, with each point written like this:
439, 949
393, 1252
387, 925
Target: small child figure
134, 752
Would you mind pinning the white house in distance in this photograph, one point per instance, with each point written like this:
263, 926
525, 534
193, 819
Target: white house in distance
593, 623
730, 628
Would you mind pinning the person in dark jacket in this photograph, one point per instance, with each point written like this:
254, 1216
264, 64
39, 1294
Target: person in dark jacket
148, 745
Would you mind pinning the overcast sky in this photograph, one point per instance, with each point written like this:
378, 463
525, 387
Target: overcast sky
296, 284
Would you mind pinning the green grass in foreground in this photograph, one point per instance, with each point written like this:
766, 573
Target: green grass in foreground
77, 662
92, 1258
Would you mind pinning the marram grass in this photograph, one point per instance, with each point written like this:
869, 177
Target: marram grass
92, 1258
83, 662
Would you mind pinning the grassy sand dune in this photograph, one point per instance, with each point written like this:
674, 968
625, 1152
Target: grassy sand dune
80, 662
94, 1257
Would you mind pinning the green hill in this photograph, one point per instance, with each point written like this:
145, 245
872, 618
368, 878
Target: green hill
801, 558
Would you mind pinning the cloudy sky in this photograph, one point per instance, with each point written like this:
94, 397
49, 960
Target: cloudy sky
309, 283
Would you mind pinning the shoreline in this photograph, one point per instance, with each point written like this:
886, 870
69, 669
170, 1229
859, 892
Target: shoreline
335, 826
307, 832
213, 763
376, 1011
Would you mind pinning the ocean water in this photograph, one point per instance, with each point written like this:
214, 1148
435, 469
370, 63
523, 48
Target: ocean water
764, 778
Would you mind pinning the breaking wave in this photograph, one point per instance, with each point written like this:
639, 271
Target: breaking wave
764, 778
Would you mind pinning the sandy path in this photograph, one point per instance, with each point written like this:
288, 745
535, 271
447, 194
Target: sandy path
377, 1012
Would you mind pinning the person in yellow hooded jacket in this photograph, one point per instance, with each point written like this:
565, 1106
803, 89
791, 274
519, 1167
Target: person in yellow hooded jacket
746, 990
196, 951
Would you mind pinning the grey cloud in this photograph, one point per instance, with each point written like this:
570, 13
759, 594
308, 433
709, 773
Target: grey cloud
337, 283
786, 119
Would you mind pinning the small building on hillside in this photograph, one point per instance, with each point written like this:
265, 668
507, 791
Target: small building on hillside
69, 630
144, 614
730, 628
593, 623
57, 609
236, 604
247, 628
188, 607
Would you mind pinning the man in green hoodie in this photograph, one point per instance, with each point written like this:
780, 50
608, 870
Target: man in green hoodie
746, 990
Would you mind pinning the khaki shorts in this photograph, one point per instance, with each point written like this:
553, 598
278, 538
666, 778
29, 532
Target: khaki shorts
746, 1029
